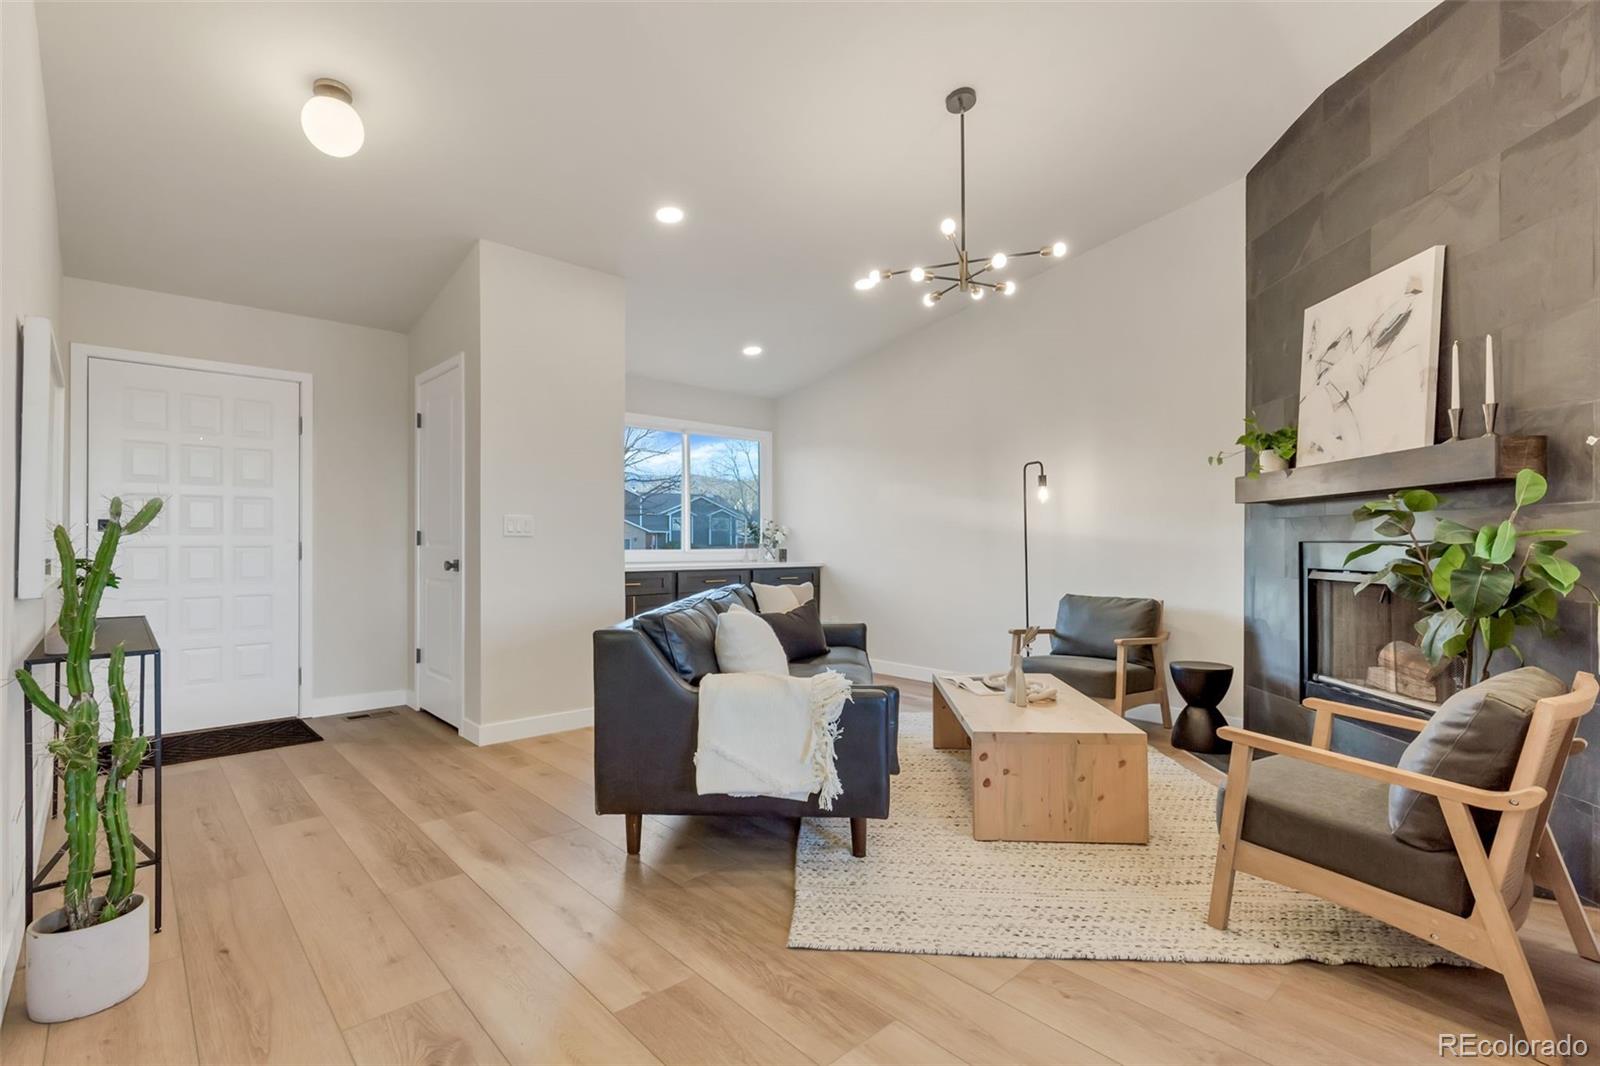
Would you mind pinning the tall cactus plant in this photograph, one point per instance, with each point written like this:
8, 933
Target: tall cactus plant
77, 749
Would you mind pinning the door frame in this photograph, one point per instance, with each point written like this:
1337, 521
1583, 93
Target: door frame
78, 464
455, 362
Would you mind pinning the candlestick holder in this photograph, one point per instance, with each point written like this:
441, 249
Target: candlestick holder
1455, 423
1489, 411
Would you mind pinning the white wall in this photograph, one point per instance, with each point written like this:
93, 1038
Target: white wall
1121, 370
669, 399
550, 434
30, 284
361, 462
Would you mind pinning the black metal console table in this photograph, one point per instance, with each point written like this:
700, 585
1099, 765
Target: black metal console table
139, 644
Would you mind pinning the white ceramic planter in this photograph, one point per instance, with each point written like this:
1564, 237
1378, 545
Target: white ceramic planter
1271, 462
73, 973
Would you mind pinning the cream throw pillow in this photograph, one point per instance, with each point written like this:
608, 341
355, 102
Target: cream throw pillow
748, 645
781, 599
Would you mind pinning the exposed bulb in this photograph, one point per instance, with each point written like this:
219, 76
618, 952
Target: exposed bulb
874, 276
948, 227
929, 299
918, 274
975, 292
863, 284
1058, 249
998, 261
1008, 288
1044, 488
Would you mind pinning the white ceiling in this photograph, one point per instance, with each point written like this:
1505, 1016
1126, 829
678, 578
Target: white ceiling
807, 142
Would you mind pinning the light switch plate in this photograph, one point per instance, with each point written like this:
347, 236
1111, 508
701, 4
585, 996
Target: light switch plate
519, 525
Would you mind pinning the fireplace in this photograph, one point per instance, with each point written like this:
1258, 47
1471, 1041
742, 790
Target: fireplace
1362, 647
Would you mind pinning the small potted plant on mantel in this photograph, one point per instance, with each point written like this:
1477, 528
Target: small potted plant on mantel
93, 951
1274, 449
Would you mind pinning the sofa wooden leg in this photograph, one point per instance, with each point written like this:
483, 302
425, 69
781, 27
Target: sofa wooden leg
634, 824
858, 837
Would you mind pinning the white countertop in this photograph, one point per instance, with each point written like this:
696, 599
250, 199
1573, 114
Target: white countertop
726, 564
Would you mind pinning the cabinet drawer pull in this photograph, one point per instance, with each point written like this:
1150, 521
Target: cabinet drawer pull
632, 584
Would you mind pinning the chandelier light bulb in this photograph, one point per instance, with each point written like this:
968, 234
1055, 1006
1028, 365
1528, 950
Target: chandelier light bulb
329, 119
998, 261
975, 292
929, 299
863, 284
918, 274
1009, 288
1058, 249
875, 276
948, 227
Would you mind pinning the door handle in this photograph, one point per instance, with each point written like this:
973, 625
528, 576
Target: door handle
452, 564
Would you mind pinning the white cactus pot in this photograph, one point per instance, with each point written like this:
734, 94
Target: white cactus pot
76, 972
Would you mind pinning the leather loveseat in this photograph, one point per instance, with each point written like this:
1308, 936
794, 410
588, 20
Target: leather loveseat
647, 672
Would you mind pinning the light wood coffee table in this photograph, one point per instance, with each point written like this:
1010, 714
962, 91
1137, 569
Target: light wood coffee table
1064, 771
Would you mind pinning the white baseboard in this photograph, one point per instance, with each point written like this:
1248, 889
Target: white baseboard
906, 670
534, 725
327, 706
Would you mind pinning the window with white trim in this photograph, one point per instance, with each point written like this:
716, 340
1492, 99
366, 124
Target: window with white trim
692, 490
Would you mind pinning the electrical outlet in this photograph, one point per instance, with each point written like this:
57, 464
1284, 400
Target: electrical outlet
519, 525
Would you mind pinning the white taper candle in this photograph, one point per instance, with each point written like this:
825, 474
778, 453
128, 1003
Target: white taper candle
1455, 374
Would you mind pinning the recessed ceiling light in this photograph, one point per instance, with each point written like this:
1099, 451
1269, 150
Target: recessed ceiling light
330, 121
752, 350
669, 214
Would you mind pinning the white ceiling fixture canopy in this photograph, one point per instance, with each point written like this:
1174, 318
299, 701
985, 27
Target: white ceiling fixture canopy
330, 121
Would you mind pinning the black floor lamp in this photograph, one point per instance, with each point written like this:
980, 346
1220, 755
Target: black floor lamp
1043, 486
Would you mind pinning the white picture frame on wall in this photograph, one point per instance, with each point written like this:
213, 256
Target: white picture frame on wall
41, 456
1369, 364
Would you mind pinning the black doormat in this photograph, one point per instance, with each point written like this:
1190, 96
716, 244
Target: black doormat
235, 740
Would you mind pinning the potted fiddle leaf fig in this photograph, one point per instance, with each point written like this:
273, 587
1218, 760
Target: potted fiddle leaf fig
1474, 587
93, 951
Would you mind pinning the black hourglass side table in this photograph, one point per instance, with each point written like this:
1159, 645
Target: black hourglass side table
1202, 686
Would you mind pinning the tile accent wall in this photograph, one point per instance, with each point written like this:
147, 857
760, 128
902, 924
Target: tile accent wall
1477, 128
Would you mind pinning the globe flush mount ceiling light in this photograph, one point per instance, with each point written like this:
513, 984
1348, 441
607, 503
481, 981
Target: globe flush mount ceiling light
968, 276
330, 121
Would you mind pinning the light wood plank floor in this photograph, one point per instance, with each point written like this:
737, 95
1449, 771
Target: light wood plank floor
396, 895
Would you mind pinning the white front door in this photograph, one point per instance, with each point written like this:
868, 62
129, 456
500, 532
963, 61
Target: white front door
440, 536
217, 574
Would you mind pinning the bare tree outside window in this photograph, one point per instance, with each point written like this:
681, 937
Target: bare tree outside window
725, 491
652, 488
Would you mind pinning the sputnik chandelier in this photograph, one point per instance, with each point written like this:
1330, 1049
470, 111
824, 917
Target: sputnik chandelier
968, 277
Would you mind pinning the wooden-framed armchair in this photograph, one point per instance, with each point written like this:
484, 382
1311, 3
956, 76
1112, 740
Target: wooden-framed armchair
1110, 648
1307, 822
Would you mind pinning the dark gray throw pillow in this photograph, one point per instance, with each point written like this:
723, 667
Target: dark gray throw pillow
1474, 738
800, 631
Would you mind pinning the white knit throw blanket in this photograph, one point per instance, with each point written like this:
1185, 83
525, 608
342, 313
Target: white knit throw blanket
768, 735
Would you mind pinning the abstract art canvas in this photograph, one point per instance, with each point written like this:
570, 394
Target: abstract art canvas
1369, 364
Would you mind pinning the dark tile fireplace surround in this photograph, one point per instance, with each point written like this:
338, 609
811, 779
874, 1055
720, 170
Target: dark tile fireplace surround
1477, 128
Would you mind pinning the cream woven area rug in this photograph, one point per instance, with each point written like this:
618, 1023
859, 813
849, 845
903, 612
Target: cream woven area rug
926, 886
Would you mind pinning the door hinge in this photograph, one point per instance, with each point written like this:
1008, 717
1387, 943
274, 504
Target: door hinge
302, 425
419, 419
300, 550
300, 676
419, 655
419, 538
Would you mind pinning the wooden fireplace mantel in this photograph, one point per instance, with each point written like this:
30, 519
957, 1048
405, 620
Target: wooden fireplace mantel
1456, 462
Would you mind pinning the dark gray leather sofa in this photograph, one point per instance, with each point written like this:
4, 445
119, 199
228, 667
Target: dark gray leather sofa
646, 698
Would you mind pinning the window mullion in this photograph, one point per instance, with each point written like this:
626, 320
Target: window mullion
688, 515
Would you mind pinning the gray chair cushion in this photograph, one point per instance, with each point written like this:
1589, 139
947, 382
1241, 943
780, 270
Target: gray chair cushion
686, 630
1339, 821
1095, 678
1474, 738
851, 662
1090, 625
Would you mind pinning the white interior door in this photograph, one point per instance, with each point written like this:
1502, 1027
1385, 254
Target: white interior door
217, 574
440, 536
